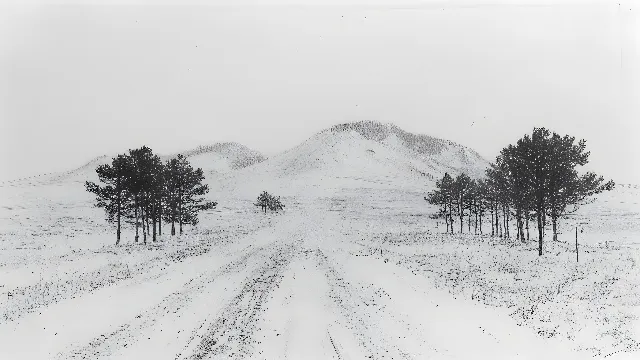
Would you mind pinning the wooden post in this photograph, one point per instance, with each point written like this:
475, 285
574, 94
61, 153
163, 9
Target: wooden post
576, 244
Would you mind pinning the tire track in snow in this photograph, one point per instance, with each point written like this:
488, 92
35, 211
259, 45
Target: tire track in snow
333, 343
361, 314
230, 333
125, 335
24, 300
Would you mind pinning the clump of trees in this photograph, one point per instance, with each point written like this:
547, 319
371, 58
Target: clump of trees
267, 201
139, 189
534, 180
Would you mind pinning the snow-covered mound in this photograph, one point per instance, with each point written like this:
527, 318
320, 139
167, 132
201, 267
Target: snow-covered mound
218, 158
358, 155
424, 147
222, 157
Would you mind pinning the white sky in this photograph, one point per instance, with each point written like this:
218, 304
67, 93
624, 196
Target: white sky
81, 81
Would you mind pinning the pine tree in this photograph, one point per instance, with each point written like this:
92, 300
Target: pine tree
442, 197
155, 193
113, 196
469, 201
567, 189
537, 178
460, 187
184, 193
267, 201
483, 200
263, 201
275, 204
141, 185
192, 200
171, 195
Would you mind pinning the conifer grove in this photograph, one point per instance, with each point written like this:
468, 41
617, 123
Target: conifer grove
532, 183
139, 189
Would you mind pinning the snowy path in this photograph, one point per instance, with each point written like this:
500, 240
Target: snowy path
295, 290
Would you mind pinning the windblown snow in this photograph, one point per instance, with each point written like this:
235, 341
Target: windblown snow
354, 268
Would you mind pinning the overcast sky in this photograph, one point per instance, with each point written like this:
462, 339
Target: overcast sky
77, 82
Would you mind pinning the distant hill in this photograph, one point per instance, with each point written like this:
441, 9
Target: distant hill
360, 154
218, 158
222, 157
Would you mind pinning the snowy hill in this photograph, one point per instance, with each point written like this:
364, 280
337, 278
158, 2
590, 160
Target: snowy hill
444, 153
222, 157
218, 158
364, 154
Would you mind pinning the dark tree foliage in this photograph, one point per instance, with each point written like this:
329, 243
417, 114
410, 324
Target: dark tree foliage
141, 189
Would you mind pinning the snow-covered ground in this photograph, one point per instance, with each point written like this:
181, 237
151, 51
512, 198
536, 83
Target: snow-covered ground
354, 268
361, 274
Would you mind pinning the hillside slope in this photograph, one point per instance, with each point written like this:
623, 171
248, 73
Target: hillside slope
218, 158
364, 154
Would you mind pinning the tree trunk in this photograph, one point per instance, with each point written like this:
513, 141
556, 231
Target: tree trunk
540, 234
497, 219
118, 215
493, 233
527, 220
137, 222
554, 221
461, 210
446, 220
144, 225
160, 219
173, 228
155, 222
147, 217
507, 212
180, 214
451, 215
475, 228
520, 226
504, 222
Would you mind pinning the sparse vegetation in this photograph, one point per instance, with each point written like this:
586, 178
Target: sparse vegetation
267, 201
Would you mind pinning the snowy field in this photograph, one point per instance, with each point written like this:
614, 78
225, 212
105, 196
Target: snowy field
354, 268
362, 273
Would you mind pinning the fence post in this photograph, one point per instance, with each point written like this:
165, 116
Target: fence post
576, 244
